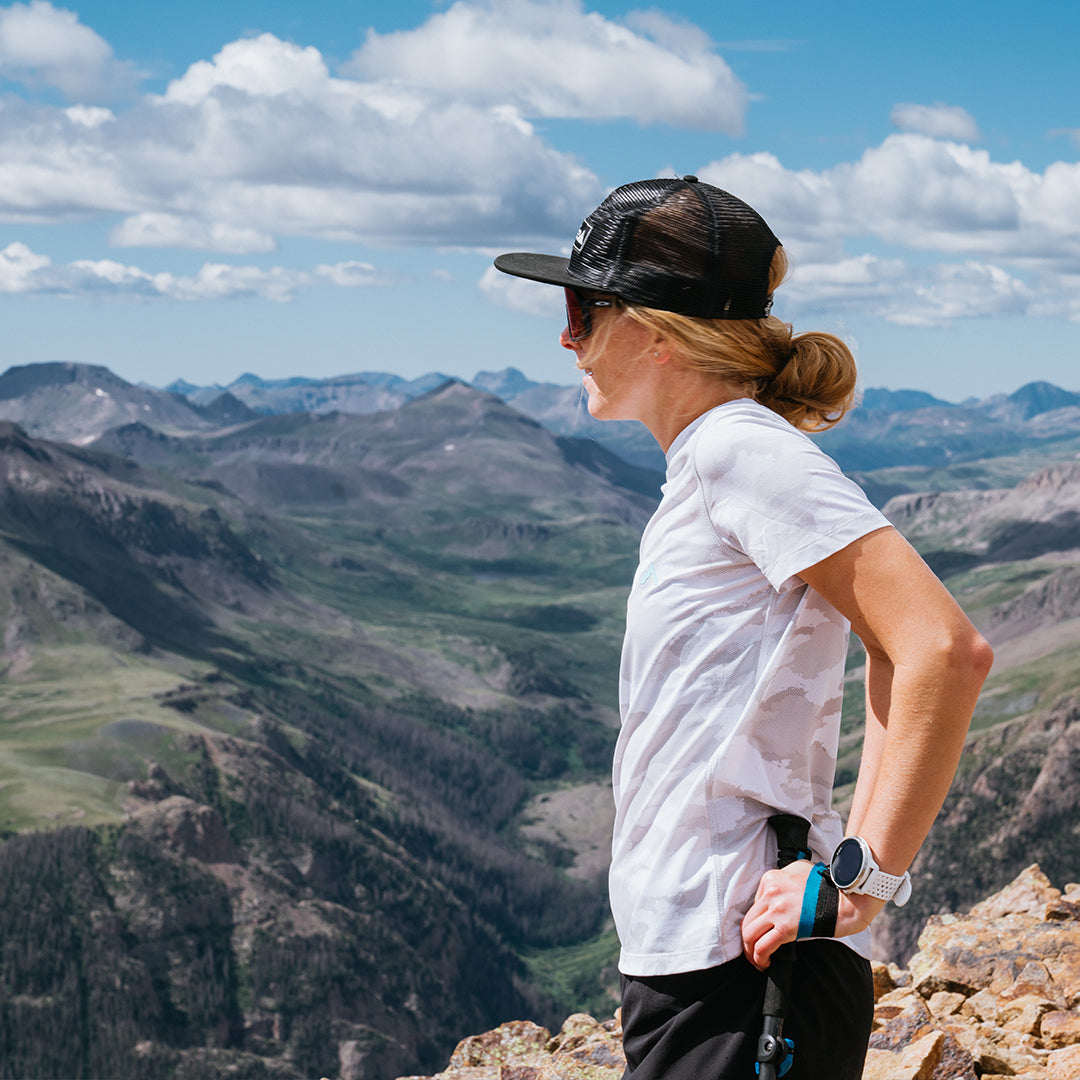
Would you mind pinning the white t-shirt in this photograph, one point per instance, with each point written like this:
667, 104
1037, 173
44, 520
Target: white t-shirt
731, 684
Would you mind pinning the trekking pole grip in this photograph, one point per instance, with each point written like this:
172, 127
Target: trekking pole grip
773, 1051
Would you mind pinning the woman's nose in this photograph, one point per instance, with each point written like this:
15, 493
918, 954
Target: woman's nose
564, 339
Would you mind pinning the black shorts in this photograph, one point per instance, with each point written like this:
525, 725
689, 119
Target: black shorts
704, 1025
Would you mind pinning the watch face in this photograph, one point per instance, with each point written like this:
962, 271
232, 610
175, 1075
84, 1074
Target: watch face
847, 863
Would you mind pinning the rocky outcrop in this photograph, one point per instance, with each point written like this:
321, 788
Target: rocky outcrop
1039, 515
995, 992
1053, 598
583, 1050
1015, 801
187, 828
989, 994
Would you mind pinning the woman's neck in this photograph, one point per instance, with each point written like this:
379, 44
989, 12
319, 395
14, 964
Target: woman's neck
685, 394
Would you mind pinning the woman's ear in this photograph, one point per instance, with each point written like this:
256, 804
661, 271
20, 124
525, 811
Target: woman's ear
661, 351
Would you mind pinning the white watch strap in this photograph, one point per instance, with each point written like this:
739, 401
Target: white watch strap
884, 886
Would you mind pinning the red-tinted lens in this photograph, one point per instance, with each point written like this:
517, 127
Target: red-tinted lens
578, 320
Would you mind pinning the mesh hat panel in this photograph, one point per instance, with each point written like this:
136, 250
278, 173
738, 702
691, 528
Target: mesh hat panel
676, 245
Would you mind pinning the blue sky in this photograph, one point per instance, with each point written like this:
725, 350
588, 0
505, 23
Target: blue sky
201, 190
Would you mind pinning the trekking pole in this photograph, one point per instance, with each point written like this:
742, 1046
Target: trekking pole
775, 1054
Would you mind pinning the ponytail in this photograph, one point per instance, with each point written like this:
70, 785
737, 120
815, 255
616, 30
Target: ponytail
809, 379
814, 386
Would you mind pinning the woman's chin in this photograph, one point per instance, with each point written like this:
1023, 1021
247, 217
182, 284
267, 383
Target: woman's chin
596, 405
593, 395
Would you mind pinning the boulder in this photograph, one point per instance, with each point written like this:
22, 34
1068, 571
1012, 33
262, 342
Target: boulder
584, 1049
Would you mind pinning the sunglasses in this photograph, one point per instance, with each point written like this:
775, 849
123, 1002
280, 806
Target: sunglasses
579, 313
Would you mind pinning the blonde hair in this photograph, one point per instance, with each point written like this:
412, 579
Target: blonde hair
808, 378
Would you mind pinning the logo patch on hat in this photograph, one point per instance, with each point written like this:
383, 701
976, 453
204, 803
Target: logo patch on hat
582, 237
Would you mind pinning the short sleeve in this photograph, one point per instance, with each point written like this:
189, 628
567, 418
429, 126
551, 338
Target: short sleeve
771, 494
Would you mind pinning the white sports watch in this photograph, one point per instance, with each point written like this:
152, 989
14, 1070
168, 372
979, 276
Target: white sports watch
855, 870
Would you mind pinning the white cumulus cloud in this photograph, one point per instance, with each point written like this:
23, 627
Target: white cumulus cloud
18, 266
520, 294
940, 121
27, 272
42, 45
90, 116
1004, 234
911, 294
177, 231
351, 274
262, 141
434, 137
919, 193
263, 66
552, 58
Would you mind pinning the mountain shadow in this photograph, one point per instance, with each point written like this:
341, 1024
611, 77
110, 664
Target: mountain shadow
128, 548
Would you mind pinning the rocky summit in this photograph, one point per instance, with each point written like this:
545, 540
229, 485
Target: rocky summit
992, 993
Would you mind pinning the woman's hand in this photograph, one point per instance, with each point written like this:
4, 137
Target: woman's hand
774, 918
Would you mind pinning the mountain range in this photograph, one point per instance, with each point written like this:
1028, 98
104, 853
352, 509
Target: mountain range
894, 442
307, 711
907, 430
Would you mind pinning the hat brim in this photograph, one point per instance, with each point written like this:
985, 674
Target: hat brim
550, 269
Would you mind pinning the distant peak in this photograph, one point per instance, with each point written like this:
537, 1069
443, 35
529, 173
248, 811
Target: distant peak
1039, 386
451, 386
1036, 398
506, 383
180, 386
901, 400
27, 378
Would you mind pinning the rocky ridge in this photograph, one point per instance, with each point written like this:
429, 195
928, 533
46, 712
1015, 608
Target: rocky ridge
1038, 515
990, 994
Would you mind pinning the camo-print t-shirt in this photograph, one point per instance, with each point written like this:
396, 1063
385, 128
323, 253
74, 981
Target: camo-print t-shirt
731, 684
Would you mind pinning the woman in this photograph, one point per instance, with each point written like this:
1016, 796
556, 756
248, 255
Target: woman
759, 556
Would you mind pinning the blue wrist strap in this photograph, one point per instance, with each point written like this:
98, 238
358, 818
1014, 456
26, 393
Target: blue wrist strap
819, 905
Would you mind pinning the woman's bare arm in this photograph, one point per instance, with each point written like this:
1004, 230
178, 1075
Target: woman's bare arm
925, 666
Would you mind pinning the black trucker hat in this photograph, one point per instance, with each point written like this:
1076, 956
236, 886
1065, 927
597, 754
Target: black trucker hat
676, 245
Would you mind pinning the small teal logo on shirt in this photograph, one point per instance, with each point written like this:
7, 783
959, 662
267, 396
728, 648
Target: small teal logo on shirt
649, 575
